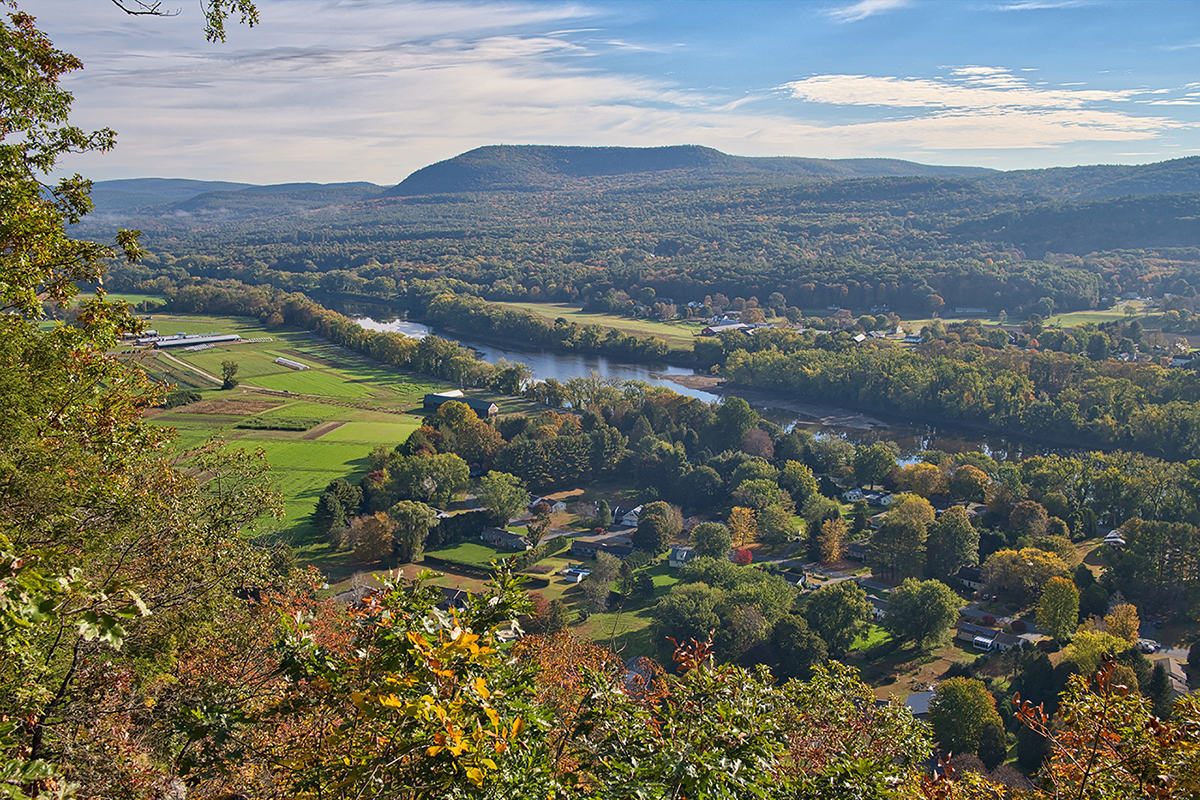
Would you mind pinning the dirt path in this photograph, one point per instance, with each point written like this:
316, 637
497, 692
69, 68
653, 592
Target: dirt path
322, 429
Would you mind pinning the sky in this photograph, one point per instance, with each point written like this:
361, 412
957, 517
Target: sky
371, 90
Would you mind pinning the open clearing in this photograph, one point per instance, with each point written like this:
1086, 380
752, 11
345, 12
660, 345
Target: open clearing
676, 334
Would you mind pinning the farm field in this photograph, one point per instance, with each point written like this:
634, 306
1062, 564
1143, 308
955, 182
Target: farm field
356, 405
676, 334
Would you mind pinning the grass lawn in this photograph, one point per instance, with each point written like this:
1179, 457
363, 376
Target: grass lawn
474, 553
676, 334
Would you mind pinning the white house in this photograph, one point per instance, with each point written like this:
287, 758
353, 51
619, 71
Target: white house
632, 516
680, 555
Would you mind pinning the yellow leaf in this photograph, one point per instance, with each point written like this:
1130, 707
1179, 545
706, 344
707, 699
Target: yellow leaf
481, 688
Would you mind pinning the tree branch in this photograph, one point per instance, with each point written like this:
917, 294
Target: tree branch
141, 8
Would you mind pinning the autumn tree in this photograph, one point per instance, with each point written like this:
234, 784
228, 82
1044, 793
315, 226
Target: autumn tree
742, 525
1058, 608
1020, 574
373, 537
1028, 519
1123, 623
832, 540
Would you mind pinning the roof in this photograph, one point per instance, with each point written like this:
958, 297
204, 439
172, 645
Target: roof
682, 553
618, 550
918, 702
969, 573
437, 400
976, 630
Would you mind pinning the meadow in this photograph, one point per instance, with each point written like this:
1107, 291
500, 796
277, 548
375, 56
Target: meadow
678, 334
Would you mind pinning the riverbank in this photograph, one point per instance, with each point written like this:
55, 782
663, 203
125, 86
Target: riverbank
829, 416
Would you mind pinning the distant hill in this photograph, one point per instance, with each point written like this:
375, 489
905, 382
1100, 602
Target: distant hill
540, 167
142, 192
1181, 175
157, 197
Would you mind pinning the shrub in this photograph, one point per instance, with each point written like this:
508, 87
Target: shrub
1019, 626
182, 397
742, 557
988, 620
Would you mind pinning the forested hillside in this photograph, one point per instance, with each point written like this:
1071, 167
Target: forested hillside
578, 224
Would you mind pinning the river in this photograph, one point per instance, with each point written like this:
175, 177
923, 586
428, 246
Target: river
858, 428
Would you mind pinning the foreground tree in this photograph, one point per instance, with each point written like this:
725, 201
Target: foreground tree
114, 555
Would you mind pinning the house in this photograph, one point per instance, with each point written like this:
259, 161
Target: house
970, 310
454, 599
878, 607
860, 338
482, 408
621, 551
1115, 539
878, 499
1176, 677
575, 573
852, 495
585, 548
556, 506
978, 635
680, 555
877, 520
630, 517
913, 338
987, 639
857, 551
918, 703
498, 537
970, 577
714, 330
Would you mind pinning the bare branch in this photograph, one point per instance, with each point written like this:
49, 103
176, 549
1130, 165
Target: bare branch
141, 8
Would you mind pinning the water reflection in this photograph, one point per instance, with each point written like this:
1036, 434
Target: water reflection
910, 437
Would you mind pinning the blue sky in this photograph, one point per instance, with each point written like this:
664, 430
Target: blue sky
340, 90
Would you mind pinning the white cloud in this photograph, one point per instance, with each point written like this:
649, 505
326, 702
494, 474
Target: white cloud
372, 90
863, 9
1041, 5
980, 89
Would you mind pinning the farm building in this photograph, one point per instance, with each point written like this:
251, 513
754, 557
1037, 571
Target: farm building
482, 408
287, 362
184, 340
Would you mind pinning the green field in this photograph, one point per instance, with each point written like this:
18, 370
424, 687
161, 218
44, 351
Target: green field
359, 405
476, 554
676, 334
